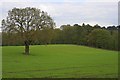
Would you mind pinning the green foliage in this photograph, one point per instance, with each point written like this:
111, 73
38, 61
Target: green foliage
100, 38
106, 38
43, 36
59, 61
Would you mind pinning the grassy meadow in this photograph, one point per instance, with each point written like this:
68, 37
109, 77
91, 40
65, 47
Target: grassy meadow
59, 61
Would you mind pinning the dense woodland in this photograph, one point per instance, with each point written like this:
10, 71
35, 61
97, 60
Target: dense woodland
85, 34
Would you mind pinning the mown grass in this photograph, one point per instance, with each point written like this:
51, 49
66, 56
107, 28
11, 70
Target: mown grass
59, 61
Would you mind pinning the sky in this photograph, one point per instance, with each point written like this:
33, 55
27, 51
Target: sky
102, 12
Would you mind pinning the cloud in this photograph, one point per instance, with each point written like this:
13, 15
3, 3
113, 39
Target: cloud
99, 13
103, 13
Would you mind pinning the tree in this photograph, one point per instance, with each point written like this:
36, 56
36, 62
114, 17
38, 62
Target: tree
96, 26
26, 21
69, 34
58, 36
45, 36
100, 38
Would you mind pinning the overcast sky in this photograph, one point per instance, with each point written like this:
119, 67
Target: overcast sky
93, 12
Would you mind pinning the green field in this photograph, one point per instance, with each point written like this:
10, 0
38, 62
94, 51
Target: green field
59, 61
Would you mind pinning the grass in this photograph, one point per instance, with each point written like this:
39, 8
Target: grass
59, 61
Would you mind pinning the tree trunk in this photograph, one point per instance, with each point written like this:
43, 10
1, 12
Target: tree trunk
26, 47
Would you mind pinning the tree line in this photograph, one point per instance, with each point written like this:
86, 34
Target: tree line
32, 26
85, 34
